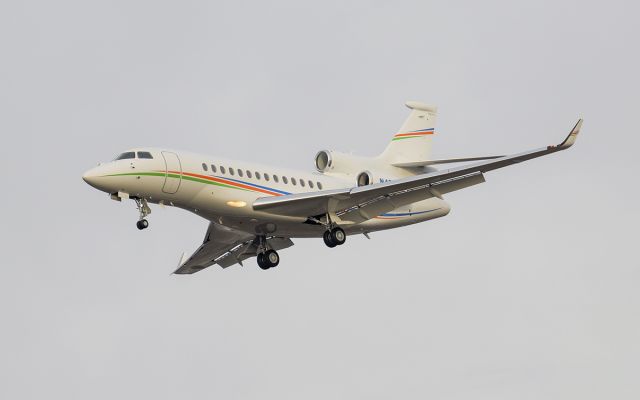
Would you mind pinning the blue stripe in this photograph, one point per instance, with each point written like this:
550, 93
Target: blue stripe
422, 130
253, 184
409, 213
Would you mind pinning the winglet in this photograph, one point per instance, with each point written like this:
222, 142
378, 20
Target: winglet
180, 262
570, 139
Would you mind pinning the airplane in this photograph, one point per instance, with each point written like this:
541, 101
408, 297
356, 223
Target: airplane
255, 210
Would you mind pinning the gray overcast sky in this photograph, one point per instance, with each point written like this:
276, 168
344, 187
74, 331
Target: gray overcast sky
527, 290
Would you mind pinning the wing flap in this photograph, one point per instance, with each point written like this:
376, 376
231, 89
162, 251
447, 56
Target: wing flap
237, 255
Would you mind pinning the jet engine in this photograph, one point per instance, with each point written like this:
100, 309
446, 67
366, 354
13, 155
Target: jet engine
336, 163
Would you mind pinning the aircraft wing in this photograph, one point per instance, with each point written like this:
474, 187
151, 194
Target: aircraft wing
357, 204
226, 246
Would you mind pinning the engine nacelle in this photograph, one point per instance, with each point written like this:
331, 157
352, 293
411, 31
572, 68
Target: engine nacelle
334, 162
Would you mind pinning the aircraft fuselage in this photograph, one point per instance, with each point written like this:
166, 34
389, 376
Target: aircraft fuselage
223, 191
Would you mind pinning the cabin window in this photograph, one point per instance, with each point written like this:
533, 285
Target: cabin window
302, 182
311, 184
266, 177
231, 171
222, 170
125, 156
239, 172
248, 174
293, 181
257, 175
213, 168
204, 166
145, 154
319, 185
285, 180
275, 178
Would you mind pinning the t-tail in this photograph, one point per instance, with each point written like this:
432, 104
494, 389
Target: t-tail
412, 143
411, 146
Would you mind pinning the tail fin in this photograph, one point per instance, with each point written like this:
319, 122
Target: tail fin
413, 142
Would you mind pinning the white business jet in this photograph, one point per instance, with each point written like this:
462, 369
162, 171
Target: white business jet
254, 210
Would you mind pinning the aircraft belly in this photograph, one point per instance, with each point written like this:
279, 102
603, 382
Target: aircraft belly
232, 207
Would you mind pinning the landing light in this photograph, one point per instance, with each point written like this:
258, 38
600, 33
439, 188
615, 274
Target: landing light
236, 203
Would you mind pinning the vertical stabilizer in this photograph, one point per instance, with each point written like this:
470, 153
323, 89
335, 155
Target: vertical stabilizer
412, 143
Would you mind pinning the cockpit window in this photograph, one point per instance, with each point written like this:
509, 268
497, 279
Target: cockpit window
144, 154
124, 156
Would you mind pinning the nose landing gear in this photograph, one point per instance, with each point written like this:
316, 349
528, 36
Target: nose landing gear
142, 224
144, 210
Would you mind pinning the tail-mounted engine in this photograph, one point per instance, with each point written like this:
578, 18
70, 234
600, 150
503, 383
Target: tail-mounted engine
336, 163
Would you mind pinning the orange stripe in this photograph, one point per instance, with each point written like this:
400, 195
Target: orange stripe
228, 182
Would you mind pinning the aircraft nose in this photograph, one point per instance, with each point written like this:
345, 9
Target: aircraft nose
88, 176
91, 177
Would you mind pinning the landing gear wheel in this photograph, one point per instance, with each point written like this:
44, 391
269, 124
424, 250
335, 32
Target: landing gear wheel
272, 257
328, 240
269, 259
144, 210
262, 262
142, 224
338, 236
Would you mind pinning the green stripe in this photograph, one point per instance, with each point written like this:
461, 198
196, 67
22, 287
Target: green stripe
143, 173
187, 178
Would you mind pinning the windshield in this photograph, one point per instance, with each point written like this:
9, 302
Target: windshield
144, 154
123, 156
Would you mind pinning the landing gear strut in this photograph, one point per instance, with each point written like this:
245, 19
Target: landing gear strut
334, 235
144, 210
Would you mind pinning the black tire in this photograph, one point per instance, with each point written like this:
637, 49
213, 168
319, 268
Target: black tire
328, 240
338, 236
272, 258
262, 261
142, 224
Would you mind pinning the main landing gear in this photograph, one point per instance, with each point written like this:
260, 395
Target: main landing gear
334, 237
267, 258
144, 210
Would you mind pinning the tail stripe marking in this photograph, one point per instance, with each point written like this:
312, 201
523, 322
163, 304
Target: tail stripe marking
414, 134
